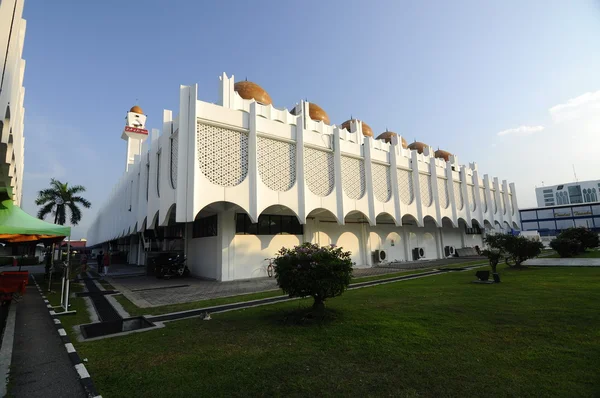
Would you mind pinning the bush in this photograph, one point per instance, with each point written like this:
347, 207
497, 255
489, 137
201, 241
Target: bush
310, 270
587, 239
566, 247
518, 247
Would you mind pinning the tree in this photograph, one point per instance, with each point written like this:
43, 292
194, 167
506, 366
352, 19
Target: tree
60, 197
310, 270
587, 239
519, 248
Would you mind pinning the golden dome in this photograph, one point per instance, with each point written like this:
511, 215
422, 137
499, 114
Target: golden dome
366, 129
443, 154
387, 137
417, 146
136, 109
248, 90
317, 113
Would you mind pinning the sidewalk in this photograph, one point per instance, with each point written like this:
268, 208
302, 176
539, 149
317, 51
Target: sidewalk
40, 364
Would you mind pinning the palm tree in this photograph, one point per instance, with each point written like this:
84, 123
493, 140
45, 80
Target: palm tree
58, 198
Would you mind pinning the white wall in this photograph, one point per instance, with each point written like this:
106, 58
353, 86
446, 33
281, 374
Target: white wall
349, 236
390, 239
203, 256
250, 252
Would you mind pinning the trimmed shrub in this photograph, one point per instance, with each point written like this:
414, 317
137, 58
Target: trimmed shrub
587, 239
518, 247
566, 247
310, 270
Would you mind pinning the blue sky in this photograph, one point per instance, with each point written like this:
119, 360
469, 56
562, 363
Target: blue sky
511, 85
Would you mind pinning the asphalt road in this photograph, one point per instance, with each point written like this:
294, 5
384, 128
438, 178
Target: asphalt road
40, 364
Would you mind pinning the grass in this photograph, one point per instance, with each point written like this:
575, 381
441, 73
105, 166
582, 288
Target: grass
535, 334
134, 310
587, 254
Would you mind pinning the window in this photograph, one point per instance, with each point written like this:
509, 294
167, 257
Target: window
205, 227
582, 211
562, 198
268, 225
584, 222
597, 222
547, 224
548, 195
549, 213
558, 188
596, 210
530, 226
575, 194
158, 174
563, 212
528, 215
593, 195
547, 191
473, 231
564, 224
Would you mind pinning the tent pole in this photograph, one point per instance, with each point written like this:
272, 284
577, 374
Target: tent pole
67, 274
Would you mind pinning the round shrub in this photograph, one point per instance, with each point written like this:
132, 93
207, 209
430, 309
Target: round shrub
311, 270
566, 247
587, 239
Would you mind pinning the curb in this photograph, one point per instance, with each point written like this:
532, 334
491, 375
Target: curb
7, 347
84, 376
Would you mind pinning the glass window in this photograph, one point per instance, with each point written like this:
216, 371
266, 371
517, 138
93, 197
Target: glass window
596, 209
204, 227
530, 226
547, 224
549, 213
528, 215
575, 194
582, 211
268, 225
563, 212
564, 224
594, 197
584, 222
597, 222
547, 190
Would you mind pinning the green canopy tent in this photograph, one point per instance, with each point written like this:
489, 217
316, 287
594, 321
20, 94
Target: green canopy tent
17, 226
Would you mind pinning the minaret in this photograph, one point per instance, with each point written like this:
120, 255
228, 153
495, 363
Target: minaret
134, 133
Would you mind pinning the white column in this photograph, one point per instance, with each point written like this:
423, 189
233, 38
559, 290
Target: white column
300, 180
367, 141
253, 164
394, 180
417, 187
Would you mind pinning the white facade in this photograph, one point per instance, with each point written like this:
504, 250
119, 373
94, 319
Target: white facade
239, 158
12, 93
569, 193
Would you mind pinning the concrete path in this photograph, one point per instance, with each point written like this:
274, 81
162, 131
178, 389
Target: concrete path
40, 364
562, 262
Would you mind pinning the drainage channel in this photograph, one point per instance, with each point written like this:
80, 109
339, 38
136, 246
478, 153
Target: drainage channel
111, 322
271, 300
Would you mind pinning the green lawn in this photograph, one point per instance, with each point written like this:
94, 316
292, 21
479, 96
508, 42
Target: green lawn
134, 310
587, 254
535, 334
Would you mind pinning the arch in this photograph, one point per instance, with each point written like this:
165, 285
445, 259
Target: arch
357, 216
280, 210
487, 224
385, 218
320, 212
154, 223
475, 223
142, 227
427, 219
447, 222
409, 219
467, 223
507, 225
218, 207
516, 226
169, 218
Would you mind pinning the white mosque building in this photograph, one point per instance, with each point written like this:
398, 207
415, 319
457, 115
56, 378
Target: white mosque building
231, 183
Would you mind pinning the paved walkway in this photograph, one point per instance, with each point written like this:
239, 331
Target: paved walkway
148, 291
563, 262
40, 364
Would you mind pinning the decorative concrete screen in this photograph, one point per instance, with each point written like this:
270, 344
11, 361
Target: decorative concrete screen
405, 186
222, 155
353, 177
277, 164
174, 149
458, 196
443, 193
382, 182
484, 200
318, 171
425, 184
472, 200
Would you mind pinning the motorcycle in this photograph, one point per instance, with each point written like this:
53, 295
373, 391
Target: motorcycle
174, 266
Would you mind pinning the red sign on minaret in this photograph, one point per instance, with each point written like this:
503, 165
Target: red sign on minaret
135, 130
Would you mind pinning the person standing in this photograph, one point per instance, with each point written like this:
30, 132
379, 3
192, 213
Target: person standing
106, 263
99, 261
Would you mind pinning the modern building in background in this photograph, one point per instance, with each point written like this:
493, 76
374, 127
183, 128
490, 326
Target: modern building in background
569, 193
231, 183
550, 221
12, 93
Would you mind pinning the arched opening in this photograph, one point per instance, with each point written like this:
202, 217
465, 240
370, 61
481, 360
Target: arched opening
447, 223
356, 216
516, 226
506, 226
409, 219
465, 222
169, 218
321, 225
384, 218
429, 221
474, 234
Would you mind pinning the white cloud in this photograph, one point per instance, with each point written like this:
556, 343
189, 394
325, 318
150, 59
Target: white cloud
522, 130
576, 108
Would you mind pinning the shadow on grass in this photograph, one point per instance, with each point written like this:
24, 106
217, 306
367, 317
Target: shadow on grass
303, 316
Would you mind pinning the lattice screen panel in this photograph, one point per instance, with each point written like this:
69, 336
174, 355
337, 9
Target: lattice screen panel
405, 186
443, 193
425, 189
353, 177
276, 163
174, 154
458, 196
318, 171
472, 200
222, 154
382, 184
